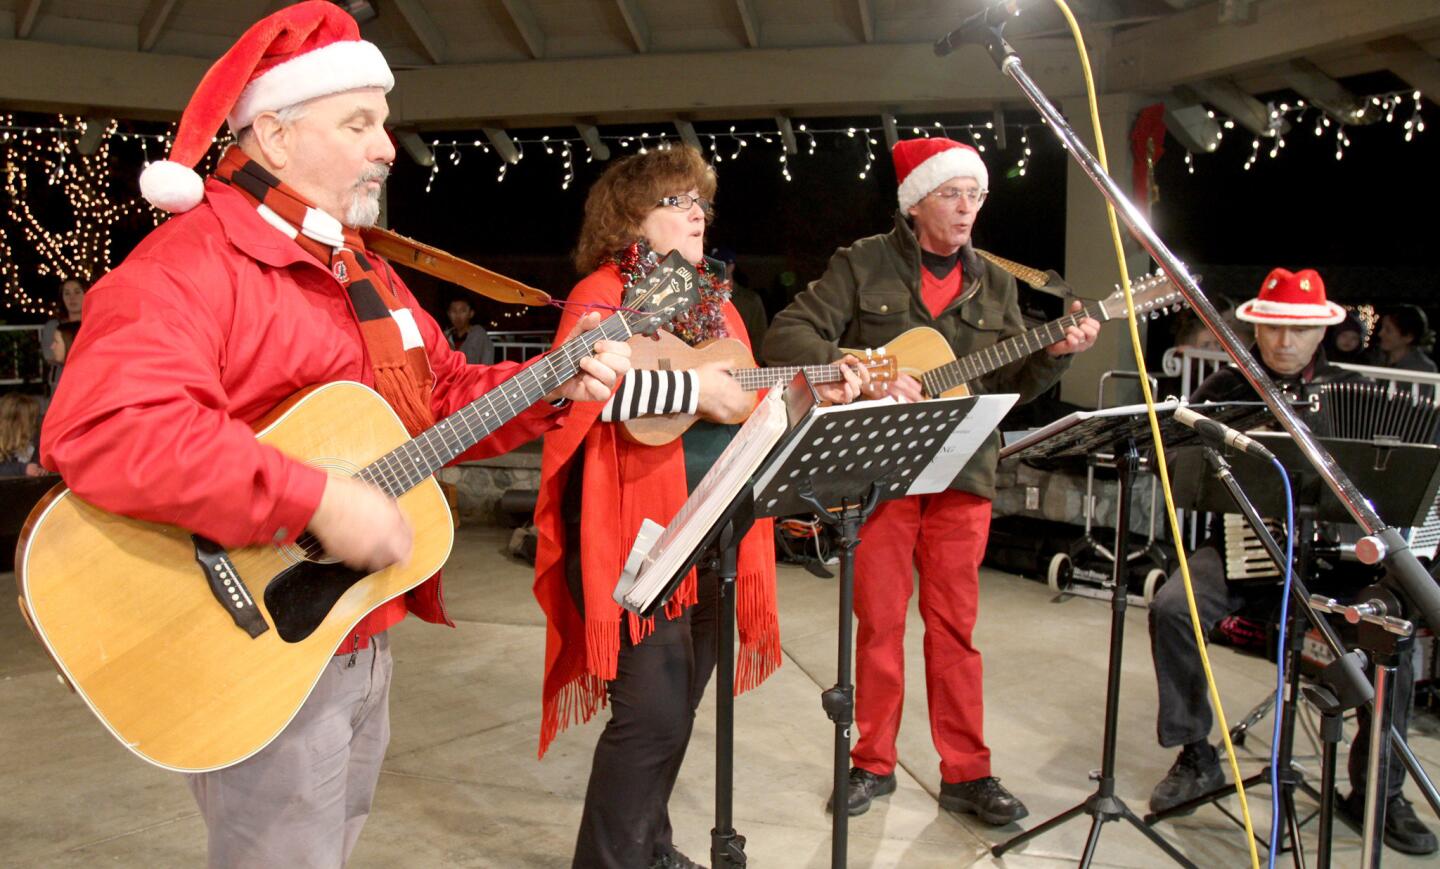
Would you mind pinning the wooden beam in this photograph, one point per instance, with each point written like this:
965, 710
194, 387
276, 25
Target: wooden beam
892, 136
751, 19
522, 14
1002, 139
26, 11
636, 23
591, 134
853, 80
1329, 95
1416, 66
787, 134
152, 23
867, 20
420, 22
1191, 125
421, 153
1194, 44
687, 133
1242, 108
502, 143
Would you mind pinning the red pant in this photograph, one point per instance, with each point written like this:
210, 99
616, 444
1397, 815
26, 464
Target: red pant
944, 536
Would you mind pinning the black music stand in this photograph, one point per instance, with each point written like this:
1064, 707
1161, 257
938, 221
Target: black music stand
1115, 430
837, 462
1402, 499
903, 449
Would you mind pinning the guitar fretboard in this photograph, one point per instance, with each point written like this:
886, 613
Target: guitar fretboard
753, 379
404, 467
976, 365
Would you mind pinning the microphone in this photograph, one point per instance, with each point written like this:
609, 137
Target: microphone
1219, 434
991, 16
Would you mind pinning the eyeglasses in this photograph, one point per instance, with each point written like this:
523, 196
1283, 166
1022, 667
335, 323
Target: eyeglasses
685, 200
974, 196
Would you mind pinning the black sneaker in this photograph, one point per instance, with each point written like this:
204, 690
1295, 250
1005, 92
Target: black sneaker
674, 860
1196, 771
984, 798
864, 787
1403, 830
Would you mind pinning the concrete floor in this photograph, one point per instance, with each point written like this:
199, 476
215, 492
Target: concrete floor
461, 786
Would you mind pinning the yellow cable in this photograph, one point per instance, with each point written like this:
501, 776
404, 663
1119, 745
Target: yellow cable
1162, 469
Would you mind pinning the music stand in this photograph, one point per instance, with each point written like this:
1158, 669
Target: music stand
1114, 430
837, 462
1400, 499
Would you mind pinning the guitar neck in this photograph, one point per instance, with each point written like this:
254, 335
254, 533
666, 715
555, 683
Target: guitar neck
976, 365
754, 379
404, 467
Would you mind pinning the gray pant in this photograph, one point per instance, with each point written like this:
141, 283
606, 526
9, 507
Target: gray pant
1184, 697
301, 801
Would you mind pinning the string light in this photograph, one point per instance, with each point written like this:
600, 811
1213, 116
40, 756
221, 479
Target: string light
78, 194
1287, 116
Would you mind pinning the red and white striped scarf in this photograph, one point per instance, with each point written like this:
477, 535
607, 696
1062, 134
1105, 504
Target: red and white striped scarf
392, 338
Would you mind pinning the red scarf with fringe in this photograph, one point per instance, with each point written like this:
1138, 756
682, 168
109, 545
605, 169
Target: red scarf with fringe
623, 484
392, 339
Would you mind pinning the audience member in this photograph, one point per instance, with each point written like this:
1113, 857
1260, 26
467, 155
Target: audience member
20, 435
467, 337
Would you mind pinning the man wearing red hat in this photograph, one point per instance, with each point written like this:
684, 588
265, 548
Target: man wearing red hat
924, 272
262, 287
1290, 316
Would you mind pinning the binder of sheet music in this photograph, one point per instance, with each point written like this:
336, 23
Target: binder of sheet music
909, 449
660, 551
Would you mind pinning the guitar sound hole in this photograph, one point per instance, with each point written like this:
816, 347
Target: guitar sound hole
300, 597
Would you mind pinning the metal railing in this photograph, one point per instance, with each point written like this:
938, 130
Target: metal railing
1193, 365
520, 346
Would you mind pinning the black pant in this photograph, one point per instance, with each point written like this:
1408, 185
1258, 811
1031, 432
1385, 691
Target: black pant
657, 687
1184, 699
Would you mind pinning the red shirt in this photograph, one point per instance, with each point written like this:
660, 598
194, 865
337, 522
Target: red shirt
211, 322
938, 293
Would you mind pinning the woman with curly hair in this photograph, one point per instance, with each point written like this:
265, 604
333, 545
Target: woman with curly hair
597, 487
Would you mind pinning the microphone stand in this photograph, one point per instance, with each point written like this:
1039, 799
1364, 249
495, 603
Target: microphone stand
1382, 542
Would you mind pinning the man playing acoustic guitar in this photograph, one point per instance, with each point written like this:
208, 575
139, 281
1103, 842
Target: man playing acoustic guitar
924, 272
260, 289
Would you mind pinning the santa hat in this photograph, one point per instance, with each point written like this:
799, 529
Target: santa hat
1292, 299
301, 52
922, 165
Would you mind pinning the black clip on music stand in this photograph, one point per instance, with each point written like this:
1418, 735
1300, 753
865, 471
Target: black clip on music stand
1403, 500
1115, 430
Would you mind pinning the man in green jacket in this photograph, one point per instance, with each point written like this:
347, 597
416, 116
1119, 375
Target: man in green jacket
924, 272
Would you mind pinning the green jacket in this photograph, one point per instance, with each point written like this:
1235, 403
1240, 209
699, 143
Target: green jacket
871, 293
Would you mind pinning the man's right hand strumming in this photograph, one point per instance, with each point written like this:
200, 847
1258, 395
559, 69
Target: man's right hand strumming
361, 525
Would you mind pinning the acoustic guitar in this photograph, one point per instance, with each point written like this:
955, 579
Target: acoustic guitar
925, 355
195, 657
665, 352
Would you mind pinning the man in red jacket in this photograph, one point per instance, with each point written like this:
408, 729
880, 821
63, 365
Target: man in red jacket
261, 288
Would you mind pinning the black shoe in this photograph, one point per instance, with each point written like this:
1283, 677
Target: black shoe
864, 787
985, 798
1403, 830
674, 860
1196, 771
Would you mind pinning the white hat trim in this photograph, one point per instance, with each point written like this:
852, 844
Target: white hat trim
939, 168
1260, 311
335, 68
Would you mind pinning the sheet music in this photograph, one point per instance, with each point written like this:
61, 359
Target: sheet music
962, 443
649, 568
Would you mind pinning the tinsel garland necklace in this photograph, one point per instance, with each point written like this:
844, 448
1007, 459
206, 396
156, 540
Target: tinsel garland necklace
703, 320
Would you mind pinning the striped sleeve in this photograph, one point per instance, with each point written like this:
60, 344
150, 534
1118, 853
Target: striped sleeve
650, 393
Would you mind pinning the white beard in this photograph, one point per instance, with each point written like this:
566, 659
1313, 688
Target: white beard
363, 209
